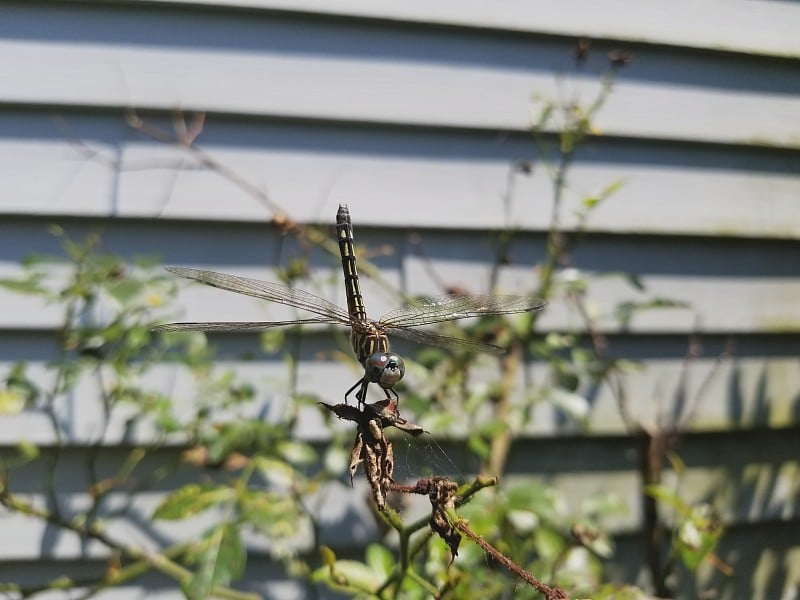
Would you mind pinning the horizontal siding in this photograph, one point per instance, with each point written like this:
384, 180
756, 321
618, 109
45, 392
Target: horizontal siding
710, 25
272, 65
413, 114
741, 545
754, 496
756, 388
683, 189
754, 306
759, 488
758, 279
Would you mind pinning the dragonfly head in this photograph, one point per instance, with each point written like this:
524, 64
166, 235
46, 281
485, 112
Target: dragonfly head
385, 369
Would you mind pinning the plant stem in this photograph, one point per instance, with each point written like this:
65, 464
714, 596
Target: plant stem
551, 593
144, 560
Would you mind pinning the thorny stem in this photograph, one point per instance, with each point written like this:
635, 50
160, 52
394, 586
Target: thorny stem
651, 455
95, 449
422, 582
462, 525
420, 544
463, 495
390, 517
653, 446
406, 549
501, 443
692, 354
70, 314
506, 236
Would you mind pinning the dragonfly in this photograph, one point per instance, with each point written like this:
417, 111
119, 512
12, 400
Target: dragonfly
368, 338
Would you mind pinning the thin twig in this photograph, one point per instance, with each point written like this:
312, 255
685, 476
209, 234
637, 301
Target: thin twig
551, 593
161, 561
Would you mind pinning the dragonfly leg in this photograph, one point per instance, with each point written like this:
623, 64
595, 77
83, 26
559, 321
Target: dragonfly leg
361, 393
396, 398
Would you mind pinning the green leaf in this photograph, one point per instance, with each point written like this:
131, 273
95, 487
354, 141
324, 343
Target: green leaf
27, 451
148, 261
612, 188
221, 559
273, 340
327, 555
380, 559
241, 436
591, 537
276, 471
493, 427
190, 500
589, 202
55, 230
615, 591
275, 515
566, 378
676, 462
628, 366
572, 404
349, 575
125, 290
634, 280
545, 501
549, 543
544, 114
523, 521
558, 340
12, 402
604, 504
478, 445
296, 452
668, 497
29, 285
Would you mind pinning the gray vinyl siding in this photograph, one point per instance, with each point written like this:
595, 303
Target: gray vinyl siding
412, 114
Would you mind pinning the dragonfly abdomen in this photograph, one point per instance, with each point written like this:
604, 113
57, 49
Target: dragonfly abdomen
344, 233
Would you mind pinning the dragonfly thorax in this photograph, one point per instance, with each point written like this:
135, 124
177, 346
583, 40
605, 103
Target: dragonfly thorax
368, 338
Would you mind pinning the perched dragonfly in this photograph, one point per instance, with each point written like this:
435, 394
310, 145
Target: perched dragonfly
367, 337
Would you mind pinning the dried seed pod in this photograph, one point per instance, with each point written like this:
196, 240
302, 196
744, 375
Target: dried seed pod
371, 449
442, 496
355, 456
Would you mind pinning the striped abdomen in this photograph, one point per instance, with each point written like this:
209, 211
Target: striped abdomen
344, 233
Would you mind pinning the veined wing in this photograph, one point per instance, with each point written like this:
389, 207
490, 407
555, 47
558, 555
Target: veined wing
267, 290
428, 338
451, 308
240, 325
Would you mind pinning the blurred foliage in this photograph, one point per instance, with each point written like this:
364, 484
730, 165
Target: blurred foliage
252, 479
252, 474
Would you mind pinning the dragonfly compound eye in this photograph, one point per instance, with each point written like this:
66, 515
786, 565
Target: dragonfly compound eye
385, 369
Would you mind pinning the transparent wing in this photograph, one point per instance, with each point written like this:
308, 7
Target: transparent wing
451, 308
240, 325
267, 290
428, 338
